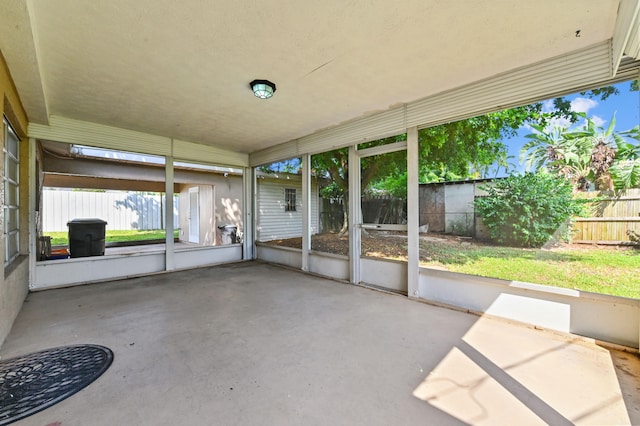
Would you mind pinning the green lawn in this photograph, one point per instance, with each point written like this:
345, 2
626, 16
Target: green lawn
614, 271
607, 270
62, 238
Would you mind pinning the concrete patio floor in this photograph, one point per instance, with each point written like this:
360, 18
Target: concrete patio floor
251, 343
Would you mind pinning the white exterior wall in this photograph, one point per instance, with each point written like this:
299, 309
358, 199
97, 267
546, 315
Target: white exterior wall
598, 316
273, 222
325, 264
121, 210
86, 270
389, 274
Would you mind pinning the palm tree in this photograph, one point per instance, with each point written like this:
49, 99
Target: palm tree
559, 151
625, 171
606, 158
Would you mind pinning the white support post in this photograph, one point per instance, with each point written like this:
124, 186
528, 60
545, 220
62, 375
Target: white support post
248, 225
33, 230
413, 213
306, 210
168, 196
355, 218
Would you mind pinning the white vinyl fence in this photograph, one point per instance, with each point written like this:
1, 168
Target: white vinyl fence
121, 210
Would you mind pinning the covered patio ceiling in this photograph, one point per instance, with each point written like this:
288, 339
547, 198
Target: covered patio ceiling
182, 69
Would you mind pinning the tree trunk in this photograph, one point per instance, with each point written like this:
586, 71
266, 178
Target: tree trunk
345, 214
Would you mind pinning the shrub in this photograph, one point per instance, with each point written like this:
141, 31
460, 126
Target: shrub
634, 237
528, 210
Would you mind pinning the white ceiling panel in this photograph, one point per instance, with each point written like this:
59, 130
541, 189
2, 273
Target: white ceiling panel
181, 69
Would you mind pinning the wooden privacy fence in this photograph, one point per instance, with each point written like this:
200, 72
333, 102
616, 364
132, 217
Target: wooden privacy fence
121, 210
375, 209
331, 214
384, 209
612, 220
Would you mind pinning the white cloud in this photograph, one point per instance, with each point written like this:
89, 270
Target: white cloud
583, 105
598, 121
558, 122
547, 106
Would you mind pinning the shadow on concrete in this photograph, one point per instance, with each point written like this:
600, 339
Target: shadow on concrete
251, 343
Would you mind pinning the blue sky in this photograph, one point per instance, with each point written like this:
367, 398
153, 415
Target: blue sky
625, 106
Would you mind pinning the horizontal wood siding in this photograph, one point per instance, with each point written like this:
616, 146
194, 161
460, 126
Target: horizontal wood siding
273, 221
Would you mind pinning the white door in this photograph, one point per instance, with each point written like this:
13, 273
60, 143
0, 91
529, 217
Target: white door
194, 218
379, 216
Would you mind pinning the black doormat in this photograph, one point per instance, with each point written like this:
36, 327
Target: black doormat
33, 382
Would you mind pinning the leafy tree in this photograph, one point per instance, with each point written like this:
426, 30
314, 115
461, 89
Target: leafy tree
394, 184
334, 165
625, 171
606, 91
468, 148
528, 210
451, 151
590, 154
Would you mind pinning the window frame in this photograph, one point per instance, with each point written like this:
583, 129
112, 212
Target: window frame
290, 199
11, 185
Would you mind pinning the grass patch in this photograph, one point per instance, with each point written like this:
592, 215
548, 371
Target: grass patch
611, 271
113, 236
605, 270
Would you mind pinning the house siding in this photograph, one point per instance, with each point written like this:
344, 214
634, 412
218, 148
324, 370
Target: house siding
273, 222
121, 210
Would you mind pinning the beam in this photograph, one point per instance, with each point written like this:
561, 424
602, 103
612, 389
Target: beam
382, 149
168, 202
413, 213
306, 210
53, 180
355, 218
248, 225
33, 231
127, 171
62, 129
103, 169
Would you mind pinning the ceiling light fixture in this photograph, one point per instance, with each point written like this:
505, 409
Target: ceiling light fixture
263, 89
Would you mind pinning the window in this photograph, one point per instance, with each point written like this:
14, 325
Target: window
11, 193
289, 200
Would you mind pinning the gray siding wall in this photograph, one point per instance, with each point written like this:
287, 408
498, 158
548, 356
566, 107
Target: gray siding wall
273, 221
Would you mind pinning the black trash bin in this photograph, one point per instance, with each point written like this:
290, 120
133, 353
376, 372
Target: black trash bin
228, 234
86, 237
